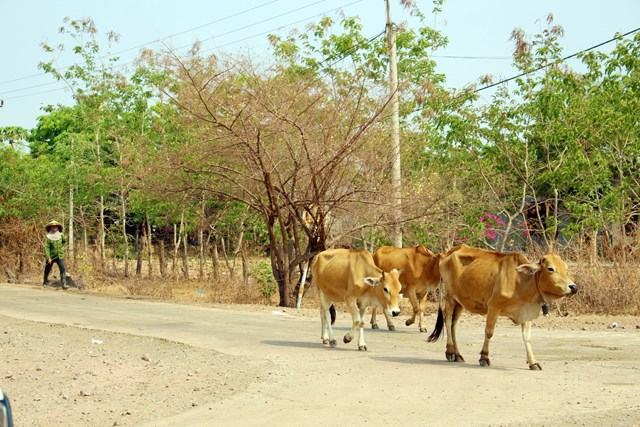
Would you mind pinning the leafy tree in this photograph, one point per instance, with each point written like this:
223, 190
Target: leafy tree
13, 135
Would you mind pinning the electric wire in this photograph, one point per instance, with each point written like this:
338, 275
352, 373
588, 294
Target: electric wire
618, 37
120, 66
161, 39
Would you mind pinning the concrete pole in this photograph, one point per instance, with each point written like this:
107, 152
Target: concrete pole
396, 183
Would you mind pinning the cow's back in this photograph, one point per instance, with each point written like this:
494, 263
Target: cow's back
337, 271
389, 257
418, 266
474, 275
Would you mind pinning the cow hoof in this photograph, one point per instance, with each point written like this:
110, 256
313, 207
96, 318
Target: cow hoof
362, 347
409, 322
423, 330
535, 367
347, 339
451, 357
392, 328
325, 341
485, 362
459, 358
374, 327
333, 343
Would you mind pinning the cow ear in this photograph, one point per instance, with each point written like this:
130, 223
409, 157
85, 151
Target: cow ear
528, 268
372, 281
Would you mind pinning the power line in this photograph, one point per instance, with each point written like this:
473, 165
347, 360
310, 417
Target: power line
202, 26
621, 36
161, 39
187, 46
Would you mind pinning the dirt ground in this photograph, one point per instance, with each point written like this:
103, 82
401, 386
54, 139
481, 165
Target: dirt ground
114, 372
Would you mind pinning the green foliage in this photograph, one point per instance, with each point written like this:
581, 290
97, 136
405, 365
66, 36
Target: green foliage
555, 132
264, 276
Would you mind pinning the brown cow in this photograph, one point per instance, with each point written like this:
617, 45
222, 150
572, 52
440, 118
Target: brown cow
351, 276
419, 274
497, 284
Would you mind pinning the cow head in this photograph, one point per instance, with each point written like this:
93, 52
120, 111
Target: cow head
552, 279
389, 288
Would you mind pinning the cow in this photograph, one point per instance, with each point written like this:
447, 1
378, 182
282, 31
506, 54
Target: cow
497, 284
351, 276
419, 274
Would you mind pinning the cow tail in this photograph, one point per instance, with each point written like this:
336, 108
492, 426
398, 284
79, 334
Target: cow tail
332, 310
440, 292
435, 335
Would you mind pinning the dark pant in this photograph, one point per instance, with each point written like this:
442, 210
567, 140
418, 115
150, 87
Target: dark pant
48, 267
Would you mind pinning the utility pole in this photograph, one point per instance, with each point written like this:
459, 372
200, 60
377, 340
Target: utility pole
72, 250
396, 231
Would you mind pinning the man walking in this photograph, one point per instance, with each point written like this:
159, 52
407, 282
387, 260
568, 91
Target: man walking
54, 252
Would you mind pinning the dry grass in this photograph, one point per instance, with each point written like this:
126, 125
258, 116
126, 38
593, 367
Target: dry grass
604, 288
224, 291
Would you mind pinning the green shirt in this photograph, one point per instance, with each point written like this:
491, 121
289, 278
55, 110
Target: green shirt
54, 249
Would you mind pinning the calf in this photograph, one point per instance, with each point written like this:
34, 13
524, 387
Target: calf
351, 276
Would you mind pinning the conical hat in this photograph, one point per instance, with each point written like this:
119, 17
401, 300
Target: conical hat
52, 223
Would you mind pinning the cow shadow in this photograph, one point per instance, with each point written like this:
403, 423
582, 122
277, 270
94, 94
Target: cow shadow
302, 344
436, 362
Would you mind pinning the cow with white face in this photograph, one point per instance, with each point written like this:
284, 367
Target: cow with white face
497, 284
351, 276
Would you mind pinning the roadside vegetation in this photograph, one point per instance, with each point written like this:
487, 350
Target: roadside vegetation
214, 177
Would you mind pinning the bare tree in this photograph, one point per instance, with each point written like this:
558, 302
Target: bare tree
282, 143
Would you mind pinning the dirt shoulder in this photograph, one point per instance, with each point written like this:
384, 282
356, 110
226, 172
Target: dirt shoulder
70, 358
68, 376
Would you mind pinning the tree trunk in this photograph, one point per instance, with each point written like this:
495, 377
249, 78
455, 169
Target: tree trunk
114, 257
125, 240
139, 249
201, 252
101, 234
226, 259
149, 242
216, 262
72, 250
85, 240
185, 255
245, 265
176, 240
162, 259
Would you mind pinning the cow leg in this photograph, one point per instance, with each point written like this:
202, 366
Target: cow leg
414, 305
526, 336
453, 354
361, 344
390, 324
489, 328
423, 306
374, 322
357, 325
326, 334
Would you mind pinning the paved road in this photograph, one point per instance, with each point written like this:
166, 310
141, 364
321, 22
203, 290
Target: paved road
589, 377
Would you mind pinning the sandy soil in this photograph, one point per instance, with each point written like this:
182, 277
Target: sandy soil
61, 375
79, 373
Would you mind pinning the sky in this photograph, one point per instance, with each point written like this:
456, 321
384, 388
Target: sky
478, 32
